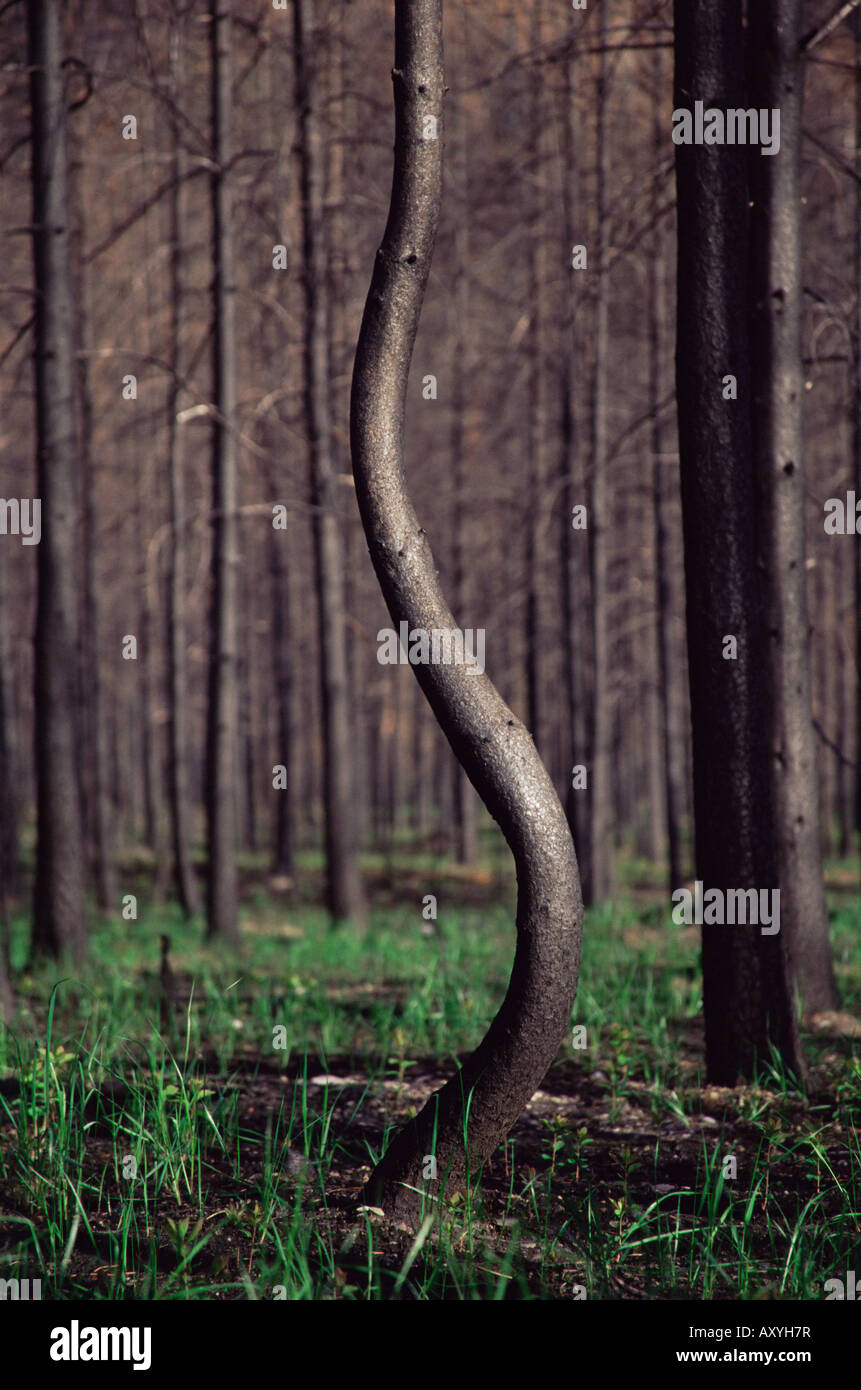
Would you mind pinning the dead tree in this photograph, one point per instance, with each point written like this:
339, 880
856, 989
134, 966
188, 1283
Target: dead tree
461, 1124
180, 809
746, 997
222, 883
59, 919
345, 892
776, 67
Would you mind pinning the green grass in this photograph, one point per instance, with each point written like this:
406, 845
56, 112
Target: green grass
184, 1187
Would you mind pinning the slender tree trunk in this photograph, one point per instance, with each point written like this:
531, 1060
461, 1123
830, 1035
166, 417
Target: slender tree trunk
59, 916
97, 810
599, 886
344, 885
10, 796
223, 760
284, 856
777, 81
574, 568
462, 1124
180, 809
746, 996
664, 484
535, 234
466, 845
856, 414
9, 808
102, 818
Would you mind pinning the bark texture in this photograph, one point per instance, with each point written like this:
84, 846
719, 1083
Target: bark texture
463, 1122
598, 881
777, 81
59, 920
222, 885
746, 996
180, 809
344, 885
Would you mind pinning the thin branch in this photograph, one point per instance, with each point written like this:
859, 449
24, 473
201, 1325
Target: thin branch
816, 36
850, 762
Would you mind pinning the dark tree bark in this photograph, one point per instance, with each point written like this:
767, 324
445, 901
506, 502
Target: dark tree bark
180, 809
284, 849
104, 871
97, 809
59, 916
777, 80
223, 761
9, 808
8, 1005
344, 884
494, 747
746, 996
535, 235
856, 417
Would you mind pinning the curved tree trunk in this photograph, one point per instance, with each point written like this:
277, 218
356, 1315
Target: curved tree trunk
462, 1123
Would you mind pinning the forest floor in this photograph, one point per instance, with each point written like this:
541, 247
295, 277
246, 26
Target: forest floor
216, 1146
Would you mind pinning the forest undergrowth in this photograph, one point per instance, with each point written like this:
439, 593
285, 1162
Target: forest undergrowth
205, 1133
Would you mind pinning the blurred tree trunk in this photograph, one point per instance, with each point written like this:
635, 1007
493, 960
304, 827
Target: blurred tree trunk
10, 795
856, 413
746, 995
282, 539
574, 543
777, 80
223, 760
463, 1123
598, 880
664, 486
59, 911
345, 895
180, 809
7, 996
535, 233
98, 814
101, 814
284, 855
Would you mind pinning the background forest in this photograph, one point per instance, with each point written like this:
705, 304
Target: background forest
241, 785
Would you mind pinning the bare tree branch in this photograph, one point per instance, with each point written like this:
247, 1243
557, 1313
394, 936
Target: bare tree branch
816, 36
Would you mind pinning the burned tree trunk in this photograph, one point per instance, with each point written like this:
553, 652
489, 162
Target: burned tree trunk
462, 1124
180, 808
777, 81
598, 881
746, 998
345, 891
222, 885
59, 918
